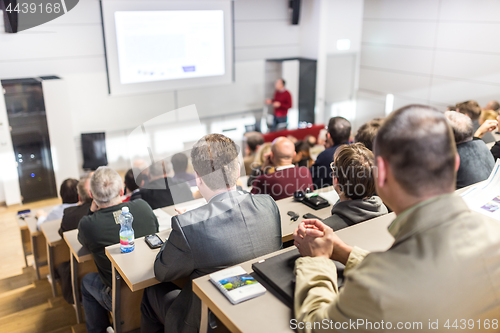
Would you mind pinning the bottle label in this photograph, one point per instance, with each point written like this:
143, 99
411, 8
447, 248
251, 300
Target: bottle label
127, 240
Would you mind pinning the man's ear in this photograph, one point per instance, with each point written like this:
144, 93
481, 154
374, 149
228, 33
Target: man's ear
239, 169
199, 181
90, 194
381, 171
294, 154
122, 191
457, 161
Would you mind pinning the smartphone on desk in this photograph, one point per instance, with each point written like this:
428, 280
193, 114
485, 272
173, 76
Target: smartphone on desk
154, 241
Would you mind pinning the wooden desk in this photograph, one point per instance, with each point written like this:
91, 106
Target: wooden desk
82, 262
57, 250
25, 239
38, 244
33, 240
288, 204
136, 269
267, 313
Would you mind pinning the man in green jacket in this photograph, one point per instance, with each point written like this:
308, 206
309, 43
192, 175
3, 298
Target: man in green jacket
100, 229
443, 270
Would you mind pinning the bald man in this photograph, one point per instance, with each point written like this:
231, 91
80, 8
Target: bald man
493, 106
287, 178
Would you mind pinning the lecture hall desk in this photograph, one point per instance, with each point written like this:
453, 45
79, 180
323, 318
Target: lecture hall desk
29, 231
82, 262
57, 250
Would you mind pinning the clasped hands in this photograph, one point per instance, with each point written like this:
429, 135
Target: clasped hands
313, 238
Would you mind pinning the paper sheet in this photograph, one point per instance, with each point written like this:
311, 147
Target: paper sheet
485, 197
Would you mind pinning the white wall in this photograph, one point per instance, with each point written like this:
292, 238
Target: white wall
72, 47
436, 52
338, 19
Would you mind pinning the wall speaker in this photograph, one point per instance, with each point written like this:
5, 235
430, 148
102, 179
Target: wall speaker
294, 6
10, 18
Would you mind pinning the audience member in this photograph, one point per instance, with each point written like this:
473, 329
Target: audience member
473, 110
180, 165
495, 150
132, 190
254, 141
486, 127
493, 106
71, 218
310, 140
233, 227
287, 178
72, 215
487, 115
161, 190
476, 162
434, 271
339, 131
303, 154
353, 181
261, 164
366, 133
100, 229
69, 196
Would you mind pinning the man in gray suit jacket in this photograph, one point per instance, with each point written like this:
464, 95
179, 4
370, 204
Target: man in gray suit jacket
231, 228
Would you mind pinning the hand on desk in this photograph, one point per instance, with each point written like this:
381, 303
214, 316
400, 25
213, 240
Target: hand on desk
40, 213
313, 238
180, 211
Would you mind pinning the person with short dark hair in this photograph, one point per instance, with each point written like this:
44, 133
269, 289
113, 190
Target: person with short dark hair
281, 102
69, 196
339, 132
366, 133
473, 111
234, 226
132, 190
476, 162
162, 190
434, 270
254, 141
180, 164
354, 182
303, 154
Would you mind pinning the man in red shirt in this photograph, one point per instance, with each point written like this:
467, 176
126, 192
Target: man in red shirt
281, 102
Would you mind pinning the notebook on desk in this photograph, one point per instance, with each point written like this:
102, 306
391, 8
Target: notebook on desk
277, 272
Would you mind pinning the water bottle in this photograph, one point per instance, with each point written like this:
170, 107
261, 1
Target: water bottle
126, 232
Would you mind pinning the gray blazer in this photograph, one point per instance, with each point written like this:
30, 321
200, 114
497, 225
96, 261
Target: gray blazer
232, 228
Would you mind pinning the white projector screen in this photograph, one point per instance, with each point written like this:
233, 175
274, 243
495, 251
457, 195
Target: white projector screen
167, 45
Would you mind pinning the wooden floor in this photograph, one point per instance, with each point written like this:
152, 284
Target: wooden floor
27, 305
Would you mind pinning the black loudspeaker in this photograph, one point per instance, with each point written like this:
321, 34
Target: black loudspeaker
10, 18
295, 11
94, 150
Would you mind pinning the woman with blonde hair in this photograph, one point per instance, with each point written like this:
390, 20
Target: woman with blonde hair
262, 164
